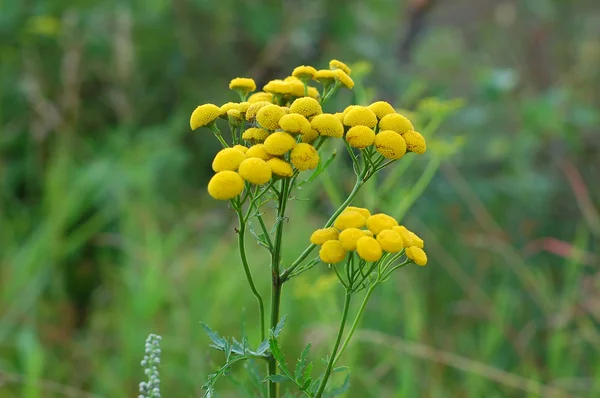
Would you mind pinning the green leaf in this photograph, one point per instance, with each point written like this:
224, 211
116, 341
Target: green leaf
340, 369
279, 327
276, 350
341, 389
217, 340
321, 167
301, 364
263, 347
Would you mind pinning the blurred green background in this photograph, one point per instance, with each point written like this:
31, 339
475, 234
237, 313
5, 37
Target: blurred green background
107, 234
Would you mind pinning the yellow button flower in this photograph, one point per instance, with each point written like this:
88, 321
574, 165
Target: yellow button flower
254, 170
365, 212
258, 151
323, 235
243, 107
415, 142
327, 125
349, 237
343, 78
228, 159
381, 109
255, 134
310, 136
234, 117
295, 123
313, 92
242, 85
368, 249
332, 252
230, 105
268, 116
260, 96
348, 109
360, 116
306, 106
225, 185
340, 117
241, 148
280, 167
325, 77
416, 255
368, 232
349, 219
360, 137
296, 86
335, 64
254, 108
378, 222
278, 86
410, 238
304, 157
204, 115
279, 143
395, 122
390, 241
304, 73
390, 144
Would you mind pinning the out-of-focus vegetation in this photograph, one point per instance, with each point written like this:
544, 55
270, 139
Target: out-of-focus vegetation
106, 233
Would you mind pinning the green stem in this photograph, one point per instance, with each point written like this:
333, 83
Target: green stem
355, 323
217, 134
338, 339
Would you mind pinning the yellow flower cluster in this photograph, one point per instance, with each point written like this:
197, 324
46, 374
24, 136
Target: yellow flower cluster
369, 235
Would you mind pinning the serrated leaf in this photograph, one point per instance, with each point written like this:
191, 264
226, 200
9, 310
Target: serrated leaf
228, 348
263, 347
341, 389
306, 383
301, 364
217, 340
276, 350
278, 378
279, 326
340, 369
321, 167
307, 372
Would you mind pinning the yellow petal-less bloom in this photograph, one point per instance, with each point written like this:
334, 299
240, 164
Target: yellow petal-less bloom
395, 122
409, 237
304, 73
378, 222
225, 185
368, 249
343, 78
335, 64
279, 143
340, 117
332, 252
258, 151
243, 107
365, 212
360, 116
348, 109
295, 123
241, 148
296, 86
230, 105
280, 167
327, 125
234, 117
368, 233
349, 219
390, 144
268, 116
381, 109
323, 235
313, 92
255, 134
415, 142
304, 157
228, 159
325, 77
390, 241
278, 86
254, 170
242, 85
254, 108
349, 237
260, 96
306, 106
310, 137
360, 137
204, 115
417, 255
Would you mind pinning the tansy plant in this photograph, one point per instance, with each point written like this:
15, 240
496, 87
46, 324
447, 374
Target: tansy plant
276, 135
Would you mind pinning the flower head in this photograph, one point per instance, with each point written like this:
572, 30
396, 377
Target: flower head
254, 170
390, 144
310, 136
258, 151
313, 92
225, 185
304, 73
269, 115
261, 96
241, 148
349, 237
415, 142
278, 86
306, 106
368, 249
332, 252
254, 108
242, 85
296, 86
360, 116
395, 122
343, 78
204, 115
349, 219
378, 222
280, 167
327, 125
409, 237
279, 143
335, 64
295, 123
255, 134
304, 157
381, 109
228, 159
323, 235
234, 117
365, 212
360, 137
390, 241
226, 107
325, 76
416, 255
